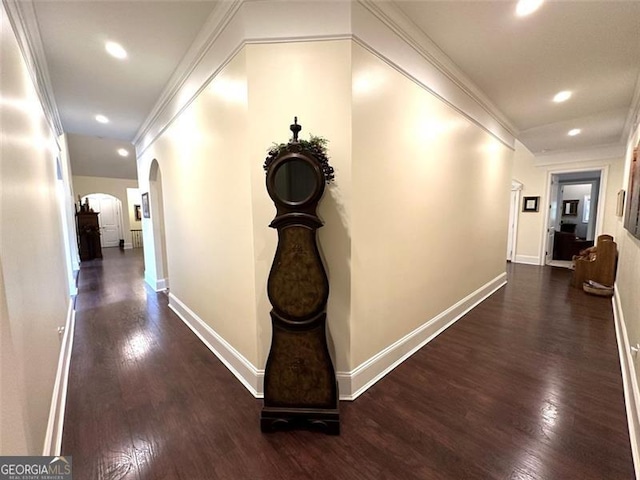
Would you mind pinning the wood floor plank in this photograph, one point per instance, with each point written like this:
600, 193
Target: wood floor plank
525, 386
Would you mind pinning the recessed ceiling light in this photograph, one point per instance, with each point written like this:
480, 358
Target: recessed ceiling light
526, 7
123, 152
562, 96
574, 132
115, 50
102, 119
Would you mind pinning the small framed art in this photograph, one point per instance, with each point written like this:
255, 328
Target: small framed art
530, 204
146, 213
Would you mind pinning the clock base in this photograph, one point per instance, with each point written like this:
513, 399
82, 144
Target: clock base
318, 420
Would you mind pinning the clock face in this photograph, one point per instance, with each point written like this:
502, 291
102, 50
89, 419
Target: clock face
295, 181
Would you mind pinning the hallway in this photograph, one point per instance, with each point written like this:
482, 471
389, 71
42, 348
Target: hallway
526, 386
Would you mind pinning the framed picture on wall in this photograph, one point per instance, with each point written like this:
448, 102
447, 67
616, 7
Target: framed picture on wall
570, 208
145, 205
530, 204
137, 212
620, 204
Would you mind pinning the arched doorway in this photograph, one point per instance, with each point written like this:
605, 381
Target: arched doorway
109, 217
156, 256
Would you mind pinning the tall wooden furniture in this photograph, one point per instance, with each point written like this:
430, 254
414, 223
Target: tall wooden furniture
300, 388
88, 227
598, 265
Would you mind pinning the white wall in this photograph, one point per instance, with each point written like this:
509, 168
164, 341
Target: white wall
116, 187
69, 204
393, 258
530, 224
627, 306
317, 88
34, 295
628, 275
207, 195
430, 206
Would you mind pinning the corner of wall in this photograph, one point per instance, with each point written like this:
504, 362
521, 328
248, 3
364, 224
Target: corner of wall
354, 383
238, 365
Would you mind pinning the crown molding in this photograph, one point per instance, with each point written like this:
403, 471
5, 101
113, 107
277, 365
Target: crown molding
216, 23
380, 28
416, 38
24, 21
599, 153
230, 27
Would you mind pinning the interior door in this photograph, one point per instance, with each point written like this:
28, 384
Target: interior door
553, 217
108, 218
109, 223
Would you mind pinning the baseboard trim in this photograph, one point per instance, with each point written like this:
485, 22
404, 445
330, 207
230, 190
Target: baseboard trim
158, 284
128, 246
243, 369
629, 380
527, 259
355, 383
53, 436
351, 384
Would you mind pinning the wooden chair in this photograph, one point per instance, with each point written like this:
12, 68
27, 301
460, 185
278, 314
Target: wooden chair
598, 264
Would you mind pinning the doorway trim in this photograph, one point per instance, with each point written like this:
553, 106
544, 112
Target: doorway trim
118, 213
604, 172
514, 214
153, 237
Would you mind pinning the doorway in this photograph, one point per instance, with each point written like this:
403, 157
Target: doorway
109, 210
574, 216
156, 264
514, 206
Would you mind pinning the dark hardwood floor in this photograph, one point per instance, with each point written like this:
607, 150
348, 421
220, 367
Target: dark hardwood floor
526, 386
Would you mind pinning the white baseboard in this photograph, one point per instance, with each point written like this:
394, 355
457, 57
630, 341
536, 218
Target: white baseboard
128, 246
351, 384
527, 259
53, 436
249, 376
158, 284
629, 380
355, 383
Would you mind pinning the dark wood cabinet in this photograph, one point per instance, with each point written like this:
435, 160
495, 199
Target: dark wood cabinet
89, 246
566, 245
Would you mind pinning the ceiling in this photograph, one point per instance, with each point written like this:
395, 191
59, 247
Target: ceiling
86, 81
591, 48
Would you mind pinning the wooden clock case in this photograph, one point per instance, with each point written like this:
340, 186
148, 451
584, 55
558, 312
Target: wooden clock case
300, 389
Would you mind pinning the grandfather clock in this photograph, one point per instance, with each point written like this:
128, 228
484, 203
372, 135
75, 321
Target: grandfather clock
300, 389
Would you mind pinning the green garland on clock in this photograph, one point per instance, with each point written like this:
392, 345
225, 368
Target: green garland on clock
317, 146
